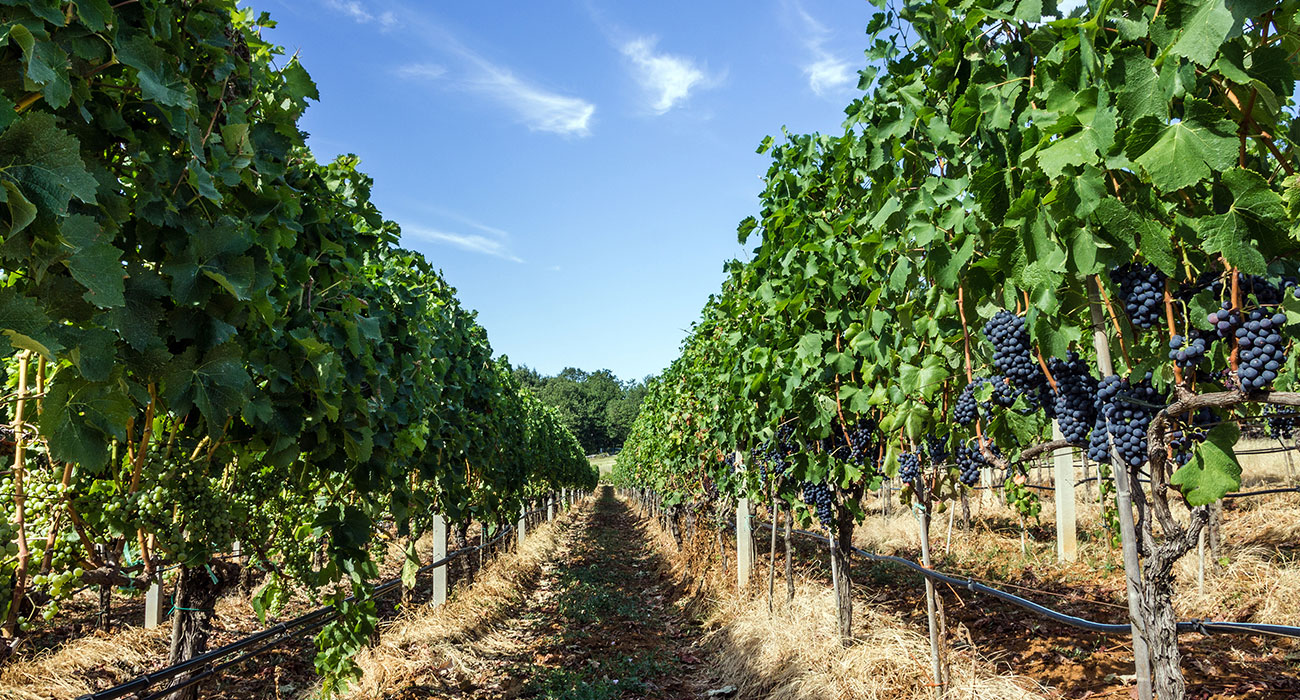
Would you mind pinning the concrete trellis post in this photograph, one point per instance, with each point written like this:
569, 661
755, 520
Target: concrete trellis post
1066, 537
744, 544
439, 534
550, 505
153, 604
523, 523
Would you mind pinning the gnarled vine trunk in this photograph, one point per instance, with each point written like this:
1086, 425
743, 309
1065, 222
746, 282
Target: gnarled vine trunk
841, 548
197, 589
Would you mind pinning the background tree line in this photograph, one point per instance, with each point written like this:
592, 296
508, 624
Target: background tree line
597, 407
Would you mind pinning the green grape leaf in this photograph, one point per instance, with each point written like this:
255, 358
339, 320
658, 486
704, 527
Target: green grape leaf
410, 565
1139, 90
25, 324
94, 262
158, 81
44, 163
1095, 134
81, 418
1255, 219
216, 386
21, 212
95, 14
1213, 470
1178, 155
1202, 25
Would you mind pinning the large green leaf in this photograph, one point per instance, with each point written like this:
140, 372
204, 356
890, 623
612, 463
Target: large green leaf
1200, 27
217, 385
1213, 470
44, 163
25, 323
158, 79
94, 262
1182, 153
1256, 219
80, 418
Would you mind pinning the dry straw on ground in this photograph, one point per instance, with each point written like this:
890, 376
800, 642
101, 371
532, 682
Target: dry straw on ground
418, 644
70, 670
794, 652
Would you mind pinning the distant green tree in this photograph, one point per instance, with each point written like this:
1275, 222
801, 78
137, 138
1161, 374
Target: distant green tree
597, 407
529, 377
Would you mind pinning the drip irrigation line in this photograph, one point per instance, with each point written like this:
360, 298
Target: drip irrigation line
1197, 625
267, 638
1262, 492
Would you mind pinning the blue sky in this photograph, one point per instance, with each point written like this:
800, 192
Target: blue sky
575, 168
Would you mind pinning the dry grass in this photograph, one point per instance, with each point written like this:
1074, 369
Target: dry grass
794, 653
1259, 581
85, 665
428, 639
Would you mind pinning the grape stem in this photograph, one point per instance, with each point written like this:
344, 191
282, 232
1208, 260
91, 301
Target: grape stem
1169, 319
989, 457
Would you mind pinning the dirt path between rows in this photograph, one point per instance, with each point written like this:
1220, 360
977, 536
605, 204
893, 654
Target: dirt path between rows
603, 622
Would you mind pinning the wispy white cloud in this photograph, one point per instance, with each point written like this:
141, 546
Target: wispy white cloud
540, 109
426, 71
537, 107
494, 245
358, 11
827, 73
668, 78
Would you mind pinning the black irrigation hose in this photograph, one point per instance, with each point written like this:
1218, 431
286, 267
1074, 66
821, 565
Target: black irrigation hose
1263, 492
277, 634
1201, 626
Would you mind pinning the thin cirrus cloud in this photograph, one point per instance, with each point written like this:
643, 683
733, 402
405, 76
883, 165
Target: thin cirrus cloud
425, 71
827, 73
667, 78
496, 243
538, 108
359, 12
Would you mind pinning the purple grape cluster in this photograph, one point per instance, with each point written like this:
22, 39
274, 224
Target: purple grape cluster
1261, 349
936, 449
859, 448
1142, 289
969, 462
1226, 320
1185, 436
1075, 399
1281, 423
967, 409
1189, 351
1129, 408
1012, 355
819, 498
909, 467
